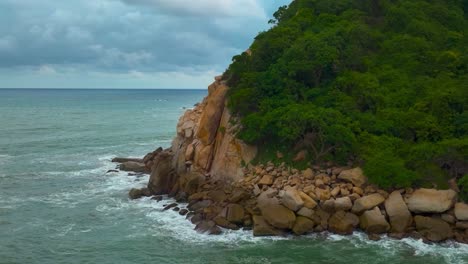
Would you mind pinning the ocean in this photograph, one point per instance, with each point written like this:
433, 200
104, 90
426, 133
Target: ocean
58, 205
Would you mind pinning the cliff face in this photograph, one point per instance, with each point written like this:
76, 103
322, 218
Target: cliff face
206, 142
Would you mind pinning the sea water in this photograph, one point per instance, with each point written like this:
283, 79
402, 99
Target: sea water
58, 204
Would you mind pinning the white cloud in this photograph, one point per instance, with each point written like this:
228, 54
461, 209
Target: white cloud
46, 70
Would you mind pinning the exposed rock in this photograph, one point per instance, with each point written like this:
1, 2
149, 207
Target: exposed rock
343, 223
355, 176
374, 222
183, 212
461, 211
122, 160
208, 227
308, 201
343, 204
308, 173
169, 206
306, 212
367, 202
267, 197
235, 213
462, 225
300, 156
138, 193
431, 201
322, 194
398, 213
162, 178
133, 166
448, 218
211, 116
266, 180
223, 222
433, 229
292, 200
238, 195
262, 227
278, 216
303, 225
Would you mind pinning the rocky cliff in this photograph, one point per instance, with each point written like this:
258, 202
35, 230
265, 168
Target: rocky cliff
206, 142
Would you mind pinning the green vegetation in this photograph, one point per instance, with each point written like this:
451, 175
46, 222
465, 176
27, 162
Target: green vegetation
383, 84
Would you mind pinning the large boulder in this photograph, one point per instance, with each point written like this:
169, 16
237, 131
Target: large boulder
139, 193
343, 204
433, 229
343, 223
133, 166
367, 202
303, 225
235, 213
398, 213
263, 228
162, 177
308, 201
122, 160
278, 216
373, 222
292, 200
431, 201
461, 211
354, 176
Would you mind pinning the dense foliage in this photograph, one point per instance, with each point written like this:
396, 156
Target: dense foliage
382, 83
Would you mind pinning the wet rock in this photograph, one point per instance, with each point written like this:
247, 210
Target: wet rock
112, 171
398, 213
138, 193
433, 229
133, 166
122, 160
162, 178
374, 222
278, 216
354, 176
235, 213
183, 212
223, 222
262, 228
343, 223
157, 198
367, 202
303, 225
208, 227
431, 201
176, 209
170, 206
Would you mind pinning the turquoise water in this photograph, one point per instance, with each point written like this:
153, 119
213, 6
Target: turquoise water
57, 205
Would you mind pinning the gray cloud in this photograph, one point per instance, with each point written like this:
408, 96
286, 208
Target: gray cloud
126, 36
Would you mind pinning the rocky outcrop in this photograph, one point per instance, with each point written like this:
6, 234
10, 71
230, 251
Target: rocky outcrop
431, 201
373, 222
367, 202
134, 166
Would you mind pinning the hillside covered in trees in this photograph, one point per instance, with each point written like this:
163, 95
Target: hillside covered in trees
380, 83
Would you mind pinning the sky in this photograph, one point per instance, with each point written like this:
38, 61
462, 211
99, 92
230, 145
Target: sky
125, 43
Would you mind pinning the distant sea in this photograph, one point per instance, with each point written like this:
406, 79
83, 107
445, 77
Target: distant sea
58, 205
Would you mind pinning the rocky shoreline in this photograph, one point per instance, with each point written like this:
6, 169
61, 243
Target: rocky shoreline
210, 169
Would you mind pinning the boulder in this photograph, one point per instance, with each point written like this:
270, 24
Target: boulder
461, 211
354, 176
431, 201
292, 200
266, 180
235, 213
343, 204
303, 225
223, 222
433, 229
343, 223
162, 177
308, 173
278, 216
308, 201
138, 193
122, 160
267, 197
398, 213
306, 212
133, 166
208, 227
367, 202
262, 228
373, 222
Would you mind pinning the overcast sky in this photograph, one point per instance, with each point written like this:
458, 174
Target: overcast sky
124, 43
